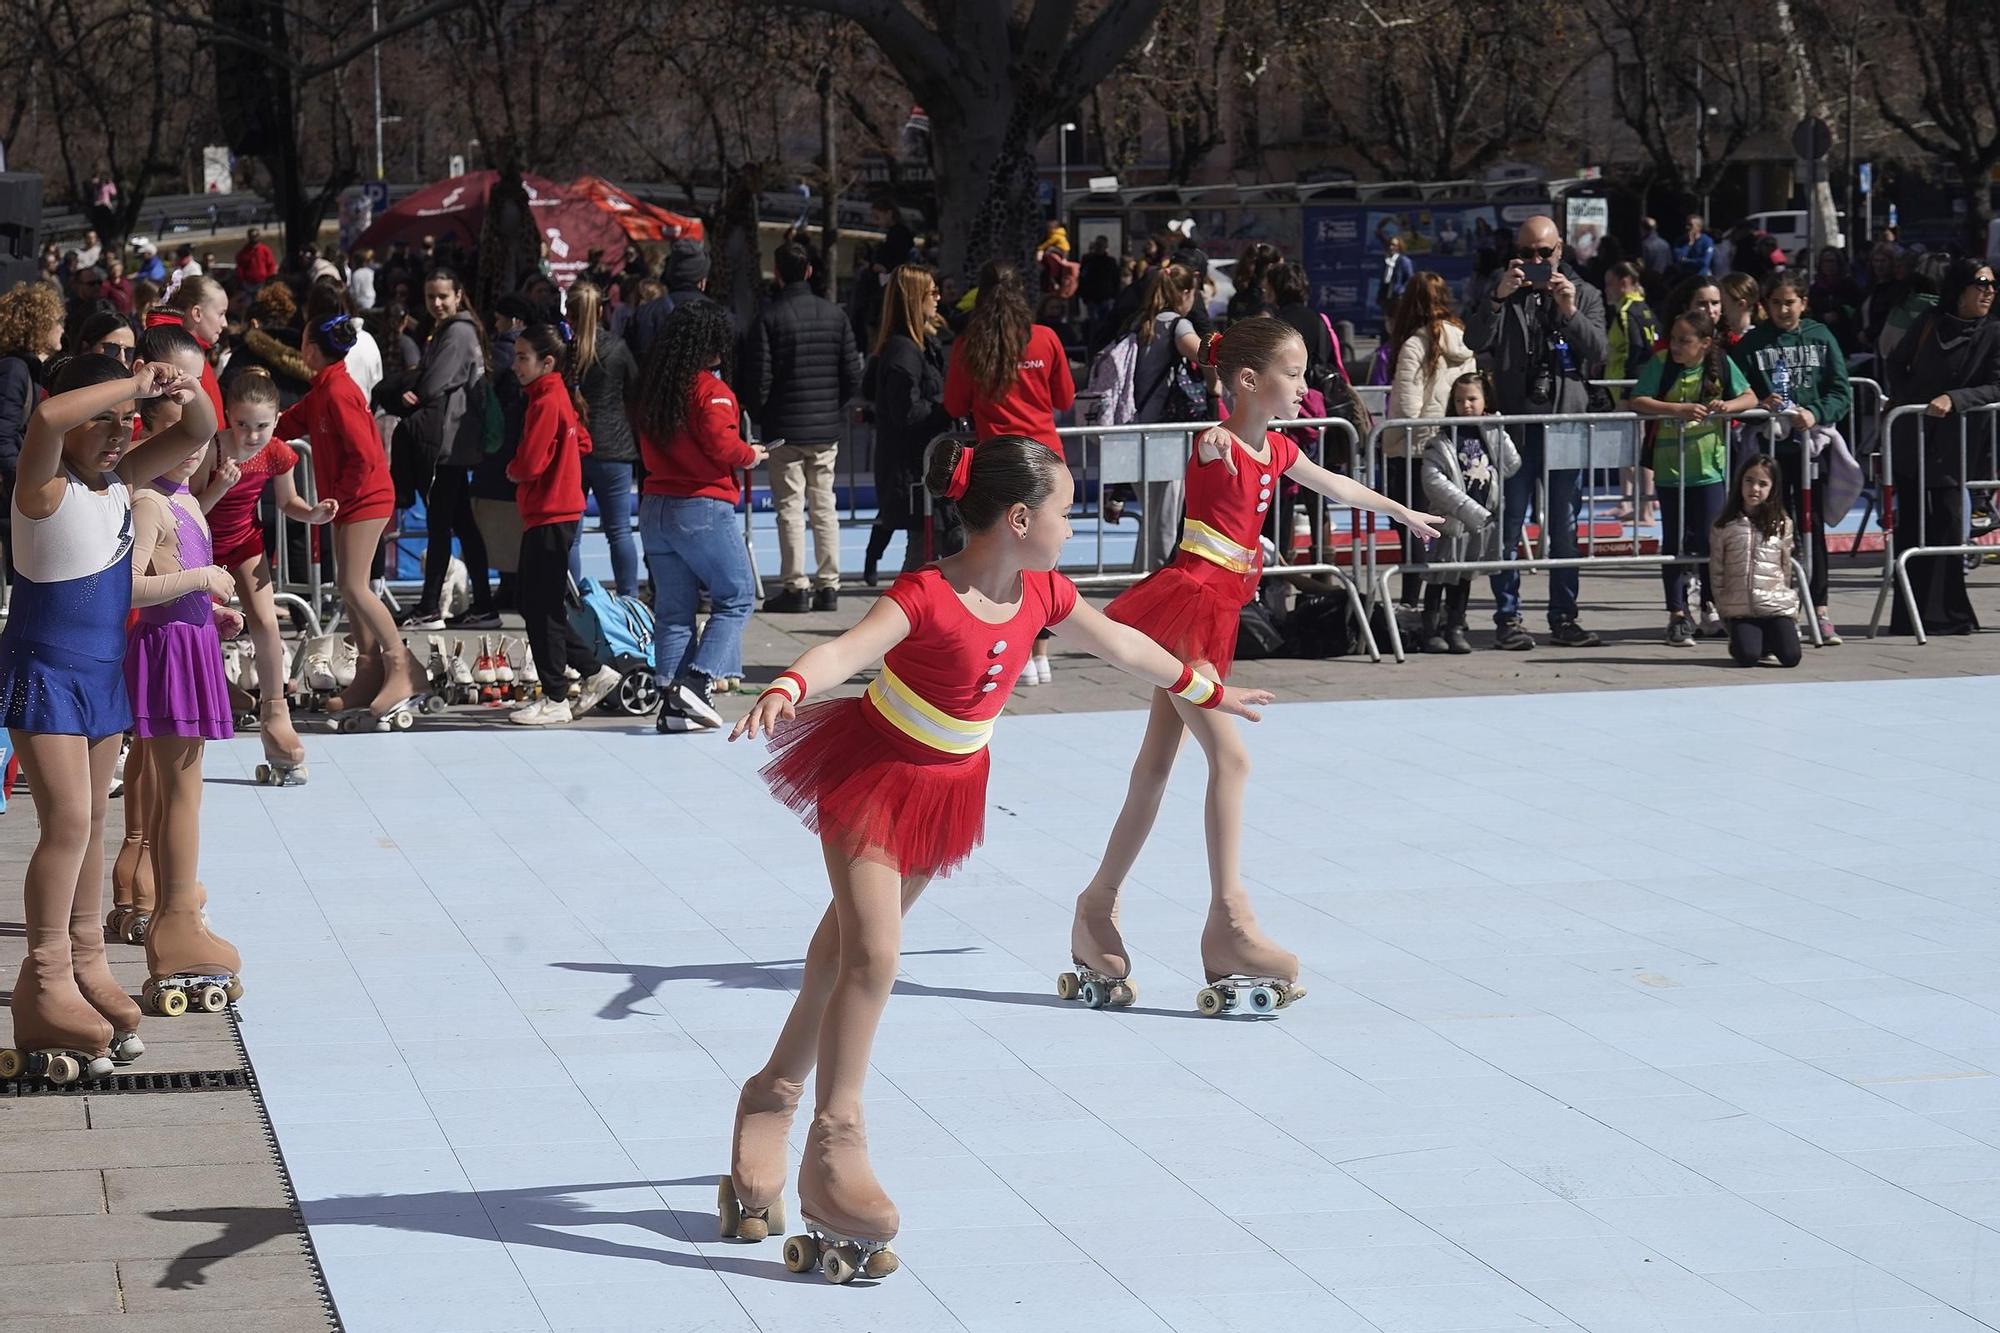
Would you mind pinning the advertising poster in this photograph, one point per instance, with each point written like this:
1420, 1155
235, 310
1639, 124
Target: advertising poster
1346, 246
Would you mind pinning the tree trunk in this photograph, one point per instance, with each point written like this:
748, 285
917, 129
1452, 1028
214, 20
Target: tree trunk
1804, 98
986, 185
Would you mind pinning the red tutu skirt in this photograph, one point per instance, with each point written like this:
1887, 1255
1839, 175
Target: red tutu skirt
873, 795
1186, 613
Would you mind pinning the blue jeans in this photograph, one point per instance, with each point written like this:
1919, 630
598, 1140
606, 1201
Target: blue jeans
611, 483
691, 544
1559, 523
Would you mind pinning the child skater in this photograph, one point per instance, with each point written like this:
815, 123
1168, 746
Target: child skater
353, 471
1463, 470
1191, 608
62, 688
180, 701
894, 784
249, 459
1697, 382
548, 469
1750, 558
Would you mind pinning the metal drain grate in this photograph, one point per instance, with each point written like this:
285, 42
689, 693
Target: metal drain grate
198, 1080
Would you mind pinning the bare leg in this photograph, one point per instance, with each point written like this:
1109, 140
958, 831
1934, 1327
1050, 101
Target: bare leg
836, 1186
771, 1095
260, 616
49, 1011
180, 940
1094, 940
374, 629
1231, 942
86, 934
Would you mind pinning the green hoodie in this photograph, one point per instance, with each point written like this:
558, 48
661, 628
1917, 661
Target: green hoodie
1818, 366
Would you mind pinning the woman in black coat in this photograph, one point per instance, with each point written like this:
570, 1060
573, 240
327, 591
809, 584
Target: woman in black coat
1949, 361
906, 382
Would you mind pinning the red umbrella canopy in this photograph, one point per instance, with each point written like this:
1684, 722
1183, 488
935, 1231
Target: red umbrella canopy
642, 221
571, 223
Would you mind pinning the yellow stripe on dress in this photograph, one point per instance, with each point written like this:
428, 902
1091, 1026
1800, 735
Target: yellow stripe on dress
924, 722
1197, 538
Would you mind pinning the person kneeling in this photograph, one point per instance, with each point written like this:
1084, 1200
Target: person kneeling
1750, 561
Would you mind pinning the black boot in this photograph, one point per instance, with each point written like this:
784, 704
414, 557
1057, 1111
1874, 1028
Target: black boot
1455, 637
1429, 640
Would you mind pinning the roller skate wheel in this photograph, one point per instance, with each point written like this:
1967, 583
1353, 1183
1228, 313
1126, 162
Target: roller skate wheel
1289, 994
148, 993
837, 1264
172, 1002
61, 1069
403, 719
1210, 1001
126, 1047
1124, 995
801, 1254
1263, 1000
12, 1062
234, 989
881, 1263
434, 703
265, 777
212, 999
135, 929
1094, 994
1067, 986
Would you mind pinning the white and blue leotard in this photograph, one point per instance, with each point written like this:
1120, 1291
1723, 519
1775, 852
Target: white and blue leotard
62, 655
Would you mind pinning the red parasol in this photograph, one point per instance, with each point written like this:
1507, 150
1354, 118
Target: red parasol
642, 221
572, 223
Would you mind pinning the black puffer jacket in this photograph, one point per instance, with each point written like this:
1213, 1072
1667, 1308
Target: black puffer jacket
604, 388
801, 368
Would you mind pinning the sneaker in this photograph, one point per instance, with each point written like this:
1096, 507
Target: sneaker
1569, 634
421, 619
1511, 637
671, 721
826, 599
543, 713
1827, 633
693, 698
790, 602
475, 619
593, 692
1711, 626
1680, 632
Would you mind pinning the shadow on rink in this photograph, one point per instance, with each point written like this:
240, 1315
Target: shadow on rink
643, 984
243, 1230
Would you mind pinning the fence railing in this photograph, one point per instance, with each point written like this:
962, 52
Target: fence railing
1911, 486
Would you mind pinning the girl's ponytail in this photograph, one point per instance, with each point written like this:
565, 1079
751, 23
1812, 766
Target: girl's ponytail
551, 342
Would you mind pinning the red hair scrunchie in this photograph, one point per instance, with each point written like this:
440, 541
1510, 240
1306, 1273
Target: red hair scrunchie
1209, 347
961, 475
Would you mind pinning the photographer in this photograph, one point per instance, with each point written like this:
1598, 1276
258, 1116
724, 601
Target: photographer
1541, 331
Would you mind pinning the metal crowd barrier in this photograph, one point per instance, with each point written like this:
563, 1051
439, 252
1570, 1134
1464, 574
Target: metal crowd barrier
1575, 449
1895, 563
306, 596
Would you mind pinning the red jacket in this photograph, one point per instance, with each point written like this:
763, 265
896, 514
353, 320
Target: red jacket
256, 265
1042, 389
348, 461
548, 466
208, 380
705, 454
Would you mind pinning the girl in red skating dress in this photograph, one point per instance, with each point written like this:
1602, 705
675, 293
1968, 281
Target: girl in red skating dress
894, 784
1191, 608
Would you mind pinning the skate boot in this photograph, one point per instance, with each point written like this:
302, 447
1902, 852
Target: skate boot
750, 1200
98, 987
463, 688
127, 924
1103, 970
58, 1035
187, 964
484, 678
284, 756
132, 854
403, 695
848, 1220
358, 691
1244, 968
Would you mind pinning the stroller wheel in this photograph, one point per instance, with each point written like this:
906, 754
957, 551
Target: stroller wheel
638, 694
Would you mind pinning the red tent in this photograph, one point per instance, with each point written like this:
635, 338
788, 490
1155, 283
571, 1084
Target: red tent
572, 223
642, 221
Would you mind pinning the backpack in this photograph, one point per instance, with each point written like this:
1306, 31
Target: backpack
618, 629
1257, 633
1322, 626
1112, 371
484, 423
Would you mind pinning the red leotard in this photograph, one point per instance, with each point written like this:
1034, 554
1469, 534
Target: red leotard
1191, 605
900, 773
238, 538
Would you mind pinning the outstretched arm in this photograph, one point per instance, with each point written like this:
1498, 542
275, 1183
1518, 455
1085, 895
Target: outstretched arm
161, 453
1347, 491
826, 665
1135, 654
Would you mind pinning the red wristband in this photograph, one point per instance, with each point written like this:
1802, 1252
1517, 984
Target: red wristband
790, 684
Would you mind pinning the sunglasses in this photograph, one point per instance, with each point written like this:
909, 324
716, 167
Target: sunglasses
1983, 284
1541, 253
118, 351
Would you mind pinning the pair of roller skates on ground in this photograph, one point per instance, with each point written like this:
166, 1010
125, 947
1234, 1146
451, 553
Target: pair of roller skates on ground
1245, 970
490, 676
847, 1221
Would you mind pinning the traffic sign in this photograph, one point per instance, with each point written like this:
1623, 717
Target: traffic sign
1812, 139
1866, 171
377, 195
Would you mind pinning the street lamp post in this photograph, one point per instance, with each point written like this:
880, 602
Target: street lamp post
1062, 171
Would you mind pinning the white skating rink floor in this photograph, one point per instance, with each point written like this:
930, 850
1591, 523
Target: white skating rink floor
1666, 1011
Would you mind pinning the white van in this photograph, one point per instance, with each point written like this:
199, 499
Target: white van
1788, 228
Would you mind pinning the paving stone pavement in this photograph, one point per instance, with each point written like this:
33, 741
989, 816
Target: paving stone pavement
166, 1211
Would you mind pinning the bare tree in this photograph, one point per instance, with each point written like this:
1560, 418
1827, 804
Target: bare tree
994, 78
1947, 99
